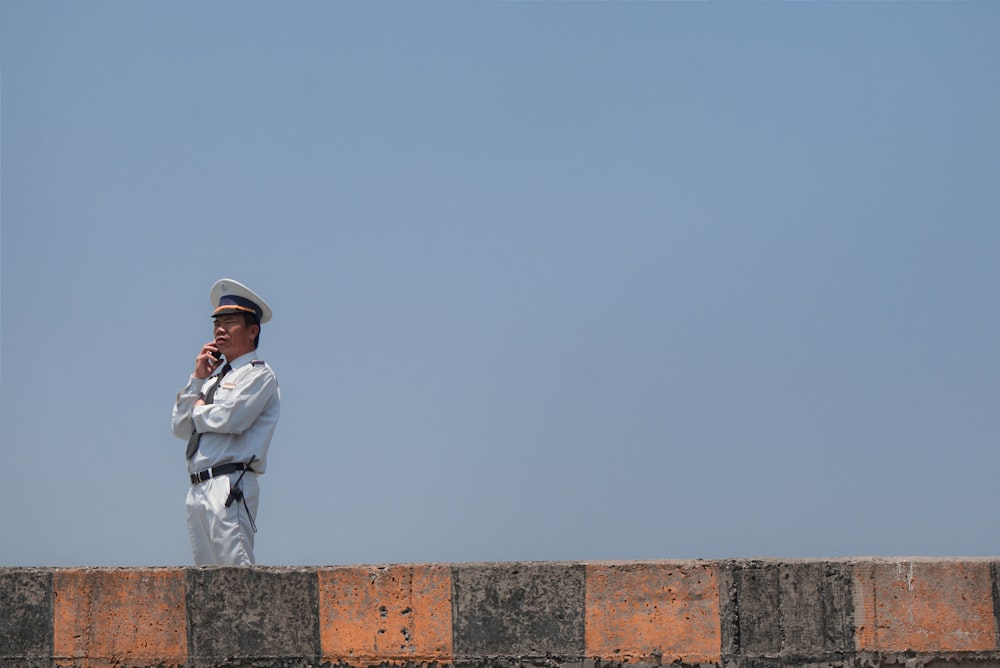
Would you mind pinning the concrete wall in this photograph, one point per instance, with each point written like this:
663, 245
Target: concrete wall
738, 614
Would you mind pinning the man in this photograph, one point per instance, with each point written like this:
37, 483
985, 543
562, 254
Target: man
227, 413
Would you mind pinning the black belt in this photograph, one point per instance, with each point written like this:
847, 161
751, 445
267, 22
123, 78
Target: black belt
202, 476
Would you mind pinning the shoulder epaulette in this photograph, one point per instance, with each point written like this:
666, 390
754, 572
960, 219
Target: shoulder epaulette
258, 362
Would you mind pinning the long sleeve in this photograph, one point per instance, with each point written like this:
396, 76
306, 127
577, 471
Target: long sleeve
181, 424
238, 403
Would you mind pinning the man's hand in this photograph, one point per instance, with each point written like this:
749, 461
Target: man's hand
205, 363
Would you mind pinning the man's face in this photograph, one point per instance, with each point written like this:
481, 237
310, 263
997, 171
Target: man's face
233, 337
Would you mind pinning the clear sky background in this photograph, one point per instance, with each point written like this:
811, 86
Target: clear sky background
551, 280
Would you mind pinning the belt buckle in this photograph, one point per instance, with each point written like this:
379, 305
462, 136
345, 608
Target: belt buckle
208, 474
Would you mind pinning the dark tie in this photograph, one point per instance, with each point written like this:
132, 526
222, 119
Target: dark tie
195, 436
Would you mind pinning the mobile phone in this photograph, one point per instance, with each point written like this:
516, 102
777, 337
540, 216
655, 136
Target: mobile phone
216, 354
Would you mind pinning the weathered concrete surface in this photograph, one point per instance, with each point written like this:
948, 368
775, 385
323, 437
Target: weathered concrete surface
523, 610
253, 616
367, 614
26, 616
789, 611
938, 613
653, 613
134, 616
925, 607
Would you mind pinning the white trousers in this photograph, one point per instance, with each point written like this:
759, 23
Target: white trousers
222, 536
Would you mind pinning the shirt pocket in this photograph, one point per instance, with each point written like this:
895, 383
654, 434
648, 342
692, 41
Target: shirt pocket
225, 391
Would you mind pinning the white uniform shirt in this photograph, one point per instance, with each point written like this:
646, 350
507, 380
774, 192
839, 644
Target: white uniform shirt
240, 421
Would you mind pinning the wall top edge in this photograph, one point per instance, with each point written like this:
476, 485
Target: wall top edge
688, 563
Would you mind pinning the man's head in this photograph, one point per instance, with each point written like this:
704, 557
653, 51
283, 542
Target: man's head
238, 315
235, 334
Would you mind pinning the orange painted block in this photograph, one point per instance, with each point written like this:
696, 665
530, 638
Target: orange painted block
104, 618
924, 606
392, 614
653, 612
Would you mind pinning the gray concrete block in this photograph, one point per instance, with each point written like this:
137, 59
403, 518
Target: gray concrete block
518, 610
263, 614
26, 635
817, 608
797, 610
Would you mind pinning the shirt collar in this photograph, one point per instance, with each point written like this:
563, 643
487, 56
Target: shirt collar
243, 360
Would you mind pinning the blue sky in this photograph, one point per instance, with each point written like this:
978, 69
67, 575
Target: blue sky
551, 280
